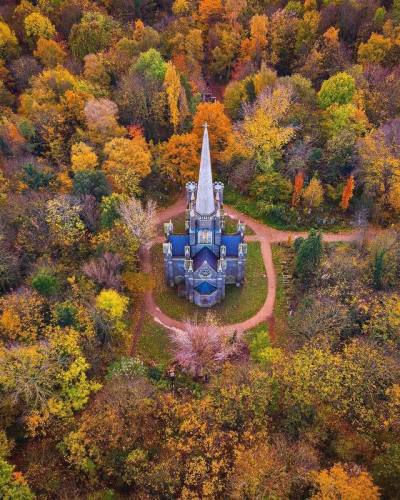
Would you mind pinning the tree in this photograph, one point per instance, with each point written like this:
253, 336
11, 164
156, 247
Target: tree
344, 482
128, 162
106, 271
338, 89
113, 303
172, 86
140, 221
151, 65
38, 26
96, 72
94, 33
49, 53
347, 193
313, 194
201, 348
64, 221
297, 187
90, 182
375, 50
101, 117
219, 127
210, 10
309, 255
262, 133
8, 42
45, 283
13, 484
179, 159
83, 157
386, 470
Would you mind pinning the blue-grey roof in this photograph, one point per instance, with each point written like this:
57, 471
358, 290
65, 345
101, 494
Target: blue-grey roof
205, 254
205, 288
231, 241
178, 242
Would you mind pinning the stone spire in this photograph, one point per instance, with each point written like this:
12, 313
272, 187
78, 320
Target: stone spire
205, 204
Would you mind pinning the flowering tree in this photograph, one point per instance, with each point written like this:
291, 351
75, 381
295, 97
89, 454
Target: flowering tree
201, 348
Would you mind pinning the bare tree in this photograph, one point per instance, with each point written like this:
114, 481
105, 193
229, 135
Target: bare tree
105, 271
202, 348
140, 220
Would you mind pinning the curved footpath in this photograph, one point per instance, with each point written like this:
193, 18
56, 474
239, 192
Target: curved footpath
262, 233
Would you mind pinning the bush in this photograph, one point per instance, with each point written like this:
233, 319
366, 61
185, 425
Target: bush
46, 283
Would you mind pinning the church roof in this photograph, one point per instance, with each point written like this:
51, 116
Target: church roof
205, 288
231, 241
178, 242
205, 204
205, 254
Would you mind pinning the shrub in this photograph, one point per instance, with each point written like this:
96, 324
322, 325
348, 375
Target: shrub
46, 283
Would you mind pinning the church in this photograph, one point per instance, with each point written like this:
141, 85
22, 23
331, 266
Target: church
203, 260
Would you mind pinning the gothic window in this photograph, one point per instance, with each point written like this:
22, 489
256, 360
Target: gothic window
205, 237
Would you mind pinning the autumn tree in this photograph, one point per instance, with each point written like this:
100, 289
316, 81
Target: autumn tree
49, 53
140, 220
347, 193
262, 133
173, 89
127, 163
8, 42
179, 158
38, 26
313, 194
344, 482
297, 187
219, 127
83, 157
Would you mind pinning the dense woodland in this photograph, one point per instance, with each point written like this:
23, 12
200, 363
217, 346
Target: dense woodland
102, 104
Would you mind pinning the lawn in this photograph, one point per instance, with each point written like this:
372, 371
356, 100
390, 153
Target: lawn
179, 225
153, 344
283, 258
239, 304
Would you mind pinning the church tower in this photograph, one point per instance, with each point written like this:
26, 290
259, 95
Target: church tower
204, 260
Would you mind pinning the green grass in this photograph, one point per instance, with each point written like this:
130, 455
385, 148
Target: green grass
179, 225
153, 344
239, 304
282, 253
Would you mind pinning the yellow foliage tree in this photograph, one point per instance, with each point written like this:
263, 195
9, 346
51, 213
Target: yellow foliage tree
339, 483
83, 157
313, 194
38, 26
49, 53
172, 86
128, 162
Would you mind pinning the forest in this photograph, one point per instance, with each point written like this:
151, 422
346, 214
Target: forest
102, 107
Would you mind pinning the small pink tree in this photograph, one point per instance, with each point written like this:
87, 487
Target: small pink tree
202, 348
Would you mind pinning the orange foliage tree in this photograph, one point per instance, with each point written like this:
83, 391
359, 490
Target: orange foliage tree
347, 193
219, 127
297, 187
179, 159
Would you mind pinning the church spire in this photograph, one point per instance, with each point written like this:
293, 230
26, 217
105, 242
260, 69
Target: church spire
205, 204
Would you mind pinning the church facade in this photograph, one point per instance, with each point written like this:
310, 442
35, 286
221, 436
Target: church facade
203, 260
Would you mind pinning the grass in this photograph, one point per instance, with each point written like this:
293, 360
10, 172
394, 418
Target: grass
179, 225
239, 304
153, 344
281, 254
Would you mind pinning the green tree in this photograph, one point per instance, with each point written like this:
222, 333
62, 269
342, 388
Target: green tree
12, 484
151, 65
338, 89
309, 255
92, 182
